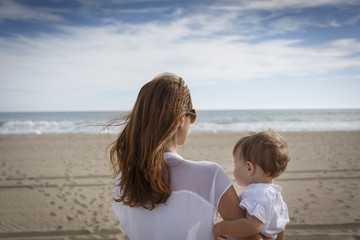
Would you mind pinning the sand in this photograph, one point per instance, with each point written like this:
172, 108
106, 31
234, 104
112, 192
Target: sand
60, 186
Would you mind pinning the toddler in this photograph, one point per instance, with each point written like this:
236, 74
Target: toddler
259, 158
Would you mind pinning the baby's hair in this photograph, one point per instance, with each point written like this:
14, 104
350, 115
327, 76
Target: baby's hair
266, 149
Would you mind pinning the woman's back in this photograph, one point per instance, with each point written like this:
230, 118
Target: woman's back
189, 212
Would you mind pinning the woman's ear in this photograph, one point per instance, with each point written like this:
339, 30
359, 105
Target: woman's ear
182, 121
250, 168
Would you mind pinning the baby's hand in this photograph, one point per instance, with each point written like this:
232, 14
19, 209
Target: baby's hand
256, 237
216, 232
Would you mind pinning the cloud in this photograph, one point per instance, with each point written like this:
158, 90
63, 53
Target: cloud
10, 10
353, 20
123, 56
279, 5
262, 18
205, 47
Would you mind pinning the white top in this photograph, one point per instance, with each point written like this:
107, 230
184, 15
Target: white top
264, 201
189, 212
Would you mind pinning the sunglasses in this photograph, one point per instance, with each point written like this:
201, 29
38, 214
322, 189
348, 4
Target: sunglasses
192, 114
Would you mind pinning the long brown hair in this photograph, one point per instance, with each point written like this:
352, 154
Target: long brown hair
138, 152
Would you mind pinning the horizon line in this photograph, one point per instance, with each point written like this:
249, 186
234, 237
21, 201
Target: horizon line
198, 109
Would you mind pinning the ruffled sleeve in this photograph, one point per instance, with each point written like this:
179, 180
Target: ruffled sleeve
260, 210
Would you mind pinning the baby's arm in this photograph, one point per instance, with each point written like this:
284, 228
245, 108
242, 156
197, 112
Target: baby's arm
281, 235
243, 227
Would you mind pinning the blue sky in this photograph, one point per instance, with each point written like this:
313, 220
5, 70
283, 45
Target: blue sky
83, 55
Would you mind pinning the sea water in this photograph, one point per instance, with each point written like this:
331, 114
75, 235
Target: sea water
207, 121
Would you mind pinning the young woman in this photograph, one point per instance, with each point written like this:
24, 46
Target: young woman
159, 194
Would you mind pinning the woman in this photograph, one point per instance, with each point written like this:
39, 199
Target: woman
159, 194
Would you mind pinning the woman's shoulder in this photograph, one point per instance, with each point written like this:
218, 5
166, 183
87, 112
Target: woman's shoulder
204, 165
175, 159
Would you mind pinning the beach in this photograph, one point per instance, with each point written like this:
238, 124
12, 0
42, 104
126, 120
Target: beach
59, 186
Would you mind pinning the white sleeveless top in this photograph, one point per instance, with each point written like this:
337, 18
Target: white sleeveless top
191, 209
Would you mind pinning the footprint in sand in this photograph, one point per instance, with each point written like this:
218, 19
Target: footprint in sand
80, 212
60, 196
345, 214
105, 219
330, 190
306, 206
313, 195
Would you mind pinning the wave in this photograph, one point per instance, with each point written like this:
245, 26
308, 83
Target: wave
281, 126
46, 127
72, 127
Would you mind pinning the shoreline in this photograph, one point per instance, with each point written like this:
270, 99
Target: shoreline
191, 132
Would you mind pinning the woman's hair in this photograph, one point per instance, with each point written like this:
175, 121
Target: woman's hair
138, 153
266, 149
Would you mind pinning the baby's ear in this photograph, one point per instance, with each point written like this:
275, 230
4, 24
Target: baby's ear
250, 168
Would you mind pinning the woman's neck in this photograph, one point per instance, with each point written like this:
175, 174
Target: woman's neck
171, 147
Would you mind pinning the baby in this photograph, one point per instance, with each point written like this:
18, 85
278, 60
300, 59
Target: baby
259, 158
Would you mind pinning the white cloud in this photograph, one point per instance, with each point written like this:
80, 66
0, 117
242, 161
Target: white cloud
204, 48
124, 56
353, 20
10, 10
261, 18
279, 5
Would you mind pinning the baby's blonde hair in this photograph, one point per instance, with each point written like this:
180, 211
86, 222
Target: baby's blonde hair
266, 149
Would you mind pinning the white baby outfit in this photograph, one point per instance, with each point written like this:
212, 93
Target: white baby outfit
264, 201
191, 209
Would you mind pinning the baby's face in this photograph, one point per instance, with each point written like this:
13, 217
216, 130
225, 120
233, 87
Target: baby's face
240, 170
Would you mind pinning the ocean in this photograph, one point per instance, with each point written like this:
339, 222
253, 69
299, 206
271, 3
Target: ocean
207, 121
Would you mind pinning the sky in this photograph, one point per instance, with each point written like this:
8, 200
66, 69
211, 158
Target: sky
90, 55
